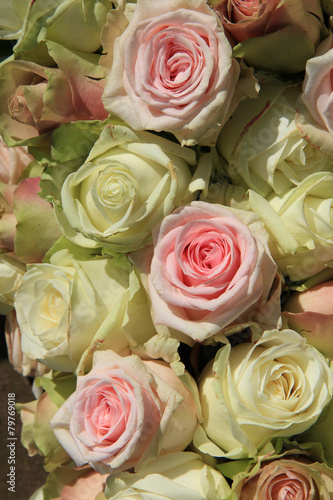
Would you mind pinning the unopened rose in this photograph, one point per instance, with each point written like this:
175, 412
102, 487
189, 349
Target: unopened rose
69, 307
35, 99
175, 476
173, 71
299, 224
210, 268
265, 30
128, 184
124, 412
25, 213
292, 476
311, 314
264, 147
278, 386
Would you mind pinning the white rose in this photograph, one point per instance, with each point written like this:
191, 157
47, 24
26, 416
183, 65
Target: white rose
254, 392
175, 476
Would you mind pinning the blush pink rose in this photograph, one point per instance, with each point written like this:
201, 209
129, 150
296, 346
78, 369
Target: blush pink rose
289, 478
173, 71
124, 412
210, 269
310, 313
316, 102
85, 487
277, 36
35, 99
246, 19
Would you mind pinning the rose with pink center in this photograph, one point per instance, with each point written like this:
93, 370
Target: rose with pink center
264, 30
287, 478
173, 71
125, 411
210, 270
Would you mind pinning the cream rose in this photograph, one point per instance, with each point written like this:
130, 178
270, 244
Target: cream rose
173, 71
175, 476
69, 307
264, 147
128, 184
124, 412
251, 393
12, 272
210, 268
300, 225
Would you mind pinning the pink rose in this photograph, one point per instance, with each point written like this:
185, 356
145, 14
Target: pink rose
289, 478
35, 99
246, 19
209, 269
125, 411
278, 36
85, 487
12, 162
316, 119
173, 71
310, 313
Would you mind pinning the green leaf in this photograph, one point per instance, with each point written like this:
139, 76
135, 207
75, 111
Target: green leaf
284, 51
58, 385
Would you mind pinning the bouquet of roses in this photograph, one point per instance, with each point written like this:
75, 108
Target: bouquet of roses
166, 238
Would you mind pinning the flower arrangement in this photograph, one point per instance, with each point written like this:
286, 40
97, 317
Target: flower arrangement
166, 245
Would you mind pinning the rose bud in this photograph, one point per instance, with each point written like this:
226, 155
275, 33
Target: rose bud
310, 313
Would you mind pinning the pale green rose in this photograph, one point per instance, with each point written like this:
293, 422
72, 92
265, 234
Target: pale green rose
68, 308
128, 184
74, 24
175, 476
300, 225
295, 474
11, 272
263, 146
251, 393
12, 14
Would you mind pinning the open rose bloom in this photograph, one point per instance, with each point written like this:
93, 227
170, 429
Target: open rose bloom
125, 412
290, 477
172, 70
210, 270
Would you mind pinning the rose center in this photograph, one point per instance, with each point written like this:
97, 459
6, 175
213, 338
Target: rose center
205, 254
52, 306
245, 7
283, 385
285, 489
